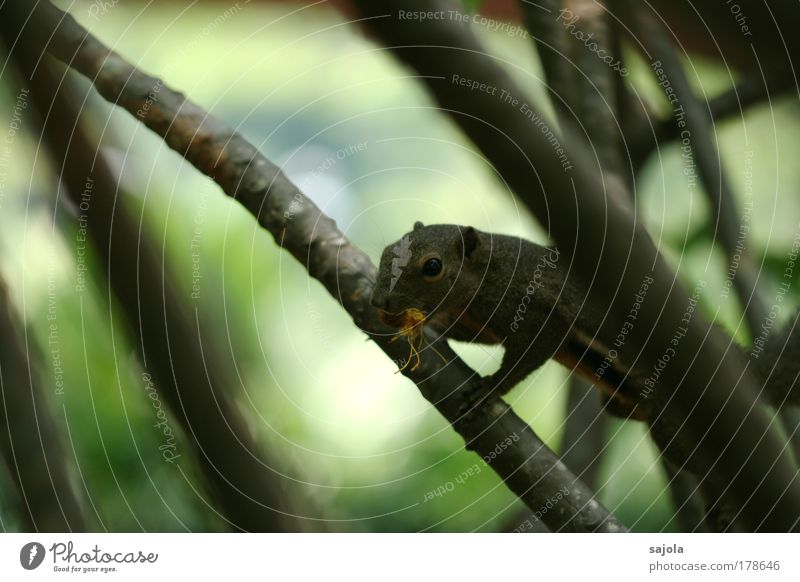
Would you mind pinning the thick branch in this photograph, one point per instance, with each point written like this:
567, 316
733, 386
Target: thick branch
602, 90
530, 469
185, 361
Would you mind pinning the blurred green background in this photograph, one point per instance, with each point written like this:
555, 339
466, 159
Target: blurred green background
358, 444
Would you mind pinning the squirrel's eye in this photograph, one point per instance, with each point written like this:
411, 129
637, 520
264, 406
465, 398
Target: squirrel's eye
432, 267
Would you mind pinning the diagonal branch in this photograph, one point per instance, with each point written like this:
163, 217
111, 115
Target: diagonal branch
528, 467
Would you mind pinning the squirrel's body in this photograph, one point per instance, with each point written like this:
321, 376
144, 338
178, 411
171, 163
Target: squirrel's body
487, 288
495, 289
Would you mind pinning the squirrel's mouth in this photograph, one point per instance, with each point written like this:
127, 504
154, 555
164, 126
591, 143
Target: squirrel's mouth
404, 320
409, 323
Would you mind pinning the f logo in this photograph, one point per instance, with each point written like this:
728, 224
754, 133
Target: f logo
31, 555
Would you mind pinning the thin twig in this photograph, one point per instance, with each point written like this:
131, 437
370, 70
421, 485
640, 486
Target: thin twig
685, 498
643, 137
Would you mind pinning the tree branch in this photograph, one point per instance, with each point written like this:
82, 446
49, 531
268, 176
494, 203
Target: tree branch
597, 103
584, 431
685, 497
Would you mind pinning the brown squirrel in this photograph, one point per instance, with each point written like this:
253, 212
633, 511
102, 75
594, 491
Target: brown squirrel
487, 288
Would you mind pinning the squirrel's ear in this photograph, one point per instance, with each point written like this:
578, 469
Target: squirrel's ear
418, 225
472, 241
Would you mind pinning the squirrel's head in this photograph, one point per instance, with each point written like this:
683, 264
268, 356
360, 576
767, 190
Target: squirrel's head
427, 268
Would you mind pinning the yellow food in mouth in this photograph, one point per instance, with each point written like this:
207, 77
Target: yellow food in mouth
409, 323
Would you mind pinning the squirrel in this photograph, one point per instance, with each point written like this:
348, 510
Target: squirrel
487, 288
478, 287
